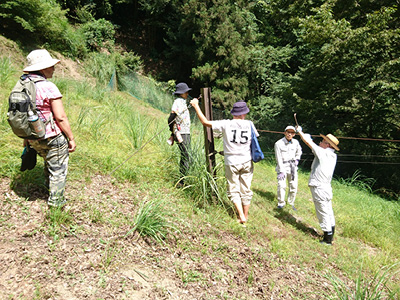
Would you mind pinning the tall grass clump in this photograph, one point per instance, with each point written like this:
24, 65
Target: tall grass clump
358, 180
364, 289
6, 71
205, 188
10, 160
101, 66
82, 120
161, 138
151, 221
99, 121
136, 128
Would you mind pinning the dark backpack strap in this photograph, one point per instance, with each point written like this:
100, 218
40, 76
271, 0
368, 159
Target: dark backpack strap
33, 105
171, 121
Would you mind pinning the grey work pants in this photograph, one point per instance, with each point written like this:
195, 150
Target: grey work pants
322, 197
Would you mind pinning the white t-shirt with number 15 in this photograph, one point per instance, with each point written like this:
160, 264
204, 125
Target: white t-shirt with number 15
236, 135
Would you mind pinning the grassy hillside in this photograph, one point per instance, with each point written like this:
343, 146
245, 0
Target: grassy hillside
103, 245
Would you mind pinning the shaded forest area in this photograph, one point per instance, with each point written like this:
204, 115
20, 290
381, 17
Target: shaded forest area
334, 63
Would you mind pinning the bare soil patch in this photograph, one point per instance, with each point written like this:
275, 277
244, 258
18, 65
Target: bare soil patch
91, 258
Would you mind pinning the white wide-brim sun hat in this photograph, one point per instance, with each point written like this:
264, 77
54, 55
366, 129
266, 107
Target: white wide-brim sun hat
40, 59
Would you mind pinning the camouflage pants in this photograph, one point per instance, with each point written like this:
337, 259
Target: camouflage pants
55, 154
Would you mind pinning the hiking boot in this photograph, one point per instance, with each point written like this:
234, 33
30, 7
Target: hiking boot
327, 238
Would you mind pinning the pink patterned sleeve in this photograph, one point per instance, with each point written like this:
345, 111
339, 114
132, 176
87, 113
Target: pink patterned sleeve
47, 90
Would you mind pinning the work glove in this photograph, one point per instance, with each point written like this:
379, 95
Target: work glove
299, 129
281, 176
296, 162
307, 136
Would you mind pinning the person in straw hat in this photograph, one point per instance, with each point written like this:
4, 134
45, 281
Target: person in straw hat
58, 140
287, 154
322, 169
236, 136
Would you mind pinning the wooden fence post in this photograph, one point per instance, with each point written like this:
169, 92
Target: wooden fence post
206, 106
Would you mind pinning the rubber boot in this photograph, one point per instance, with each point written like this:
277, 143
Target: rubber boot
327, 238
333, 231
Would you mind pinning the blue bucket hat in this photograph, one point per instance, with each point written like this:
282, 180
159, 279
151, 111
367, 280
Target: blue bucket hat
181, 88
239, 108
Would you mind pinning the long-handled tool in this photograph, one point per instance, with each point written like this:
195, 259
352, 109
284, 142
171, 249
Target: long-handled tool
296, 119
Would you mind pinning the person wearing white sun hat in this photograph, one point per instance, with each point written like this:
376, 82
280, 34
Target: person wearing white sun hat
58, 140
287, 154
322, 169
39, 60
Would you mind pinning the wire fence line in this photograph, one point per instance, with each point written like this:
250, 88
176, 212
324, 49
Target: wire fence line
272, 153
310, 155
339, 137
343, 155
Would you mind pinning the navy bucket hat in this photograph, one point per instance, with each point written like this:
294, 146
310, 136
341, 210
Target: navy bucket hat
181, 88
239, 108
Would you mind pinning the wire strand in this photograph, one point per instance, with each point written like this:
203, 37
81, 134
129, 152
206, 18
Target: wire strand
339, 137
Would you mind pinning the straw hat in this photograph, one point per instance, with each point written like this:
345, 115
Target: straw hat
332, 140
39, 60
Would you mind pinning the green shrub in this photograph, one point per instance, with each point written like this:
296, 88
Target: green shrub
84, 14
41, 22
99, 34
128, 62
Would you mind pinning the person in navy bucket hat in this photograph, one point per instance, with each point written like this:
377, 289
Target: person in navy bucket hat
181, 88
179, 125
236, 136
239, 108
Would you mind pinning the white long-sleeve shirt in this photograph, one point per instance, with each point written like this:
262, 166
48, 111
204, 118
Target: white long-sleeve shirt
286, 151
323, 165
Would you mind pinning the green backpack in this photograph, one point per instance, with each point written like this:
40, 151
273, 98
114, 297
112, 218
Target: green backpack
22, 114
